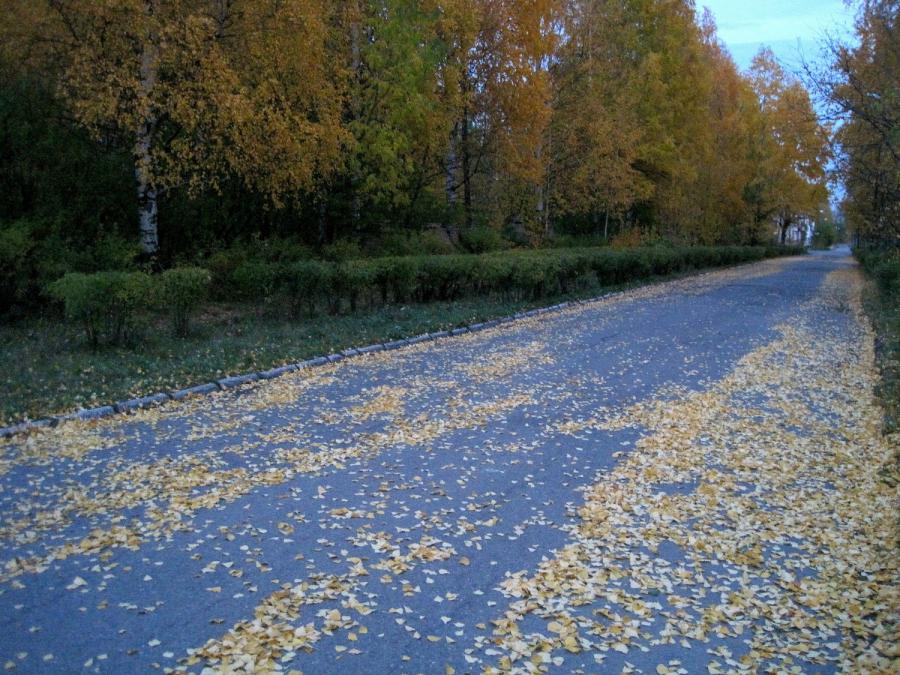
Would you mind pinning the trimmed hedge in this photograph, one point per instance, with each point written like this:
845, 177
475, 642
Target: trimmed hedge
110, 304
183, 290
313, 286
107, 304
882, 266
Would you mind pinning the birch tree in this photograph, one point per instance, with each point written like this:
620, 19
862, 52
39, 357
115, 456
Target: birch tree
197, 89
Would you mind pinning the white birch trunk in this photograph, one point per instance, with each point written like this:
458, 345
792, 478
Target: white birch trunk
148, 208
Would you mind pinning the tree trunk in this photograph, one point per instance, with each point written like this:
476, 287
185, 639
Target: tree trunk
466, 167
785, 225
450, 171
356, 65
322, 220
148, 208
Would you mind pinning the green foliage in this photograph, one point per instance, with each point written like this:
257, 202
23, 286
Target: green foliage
306, 282
32, 256
520, 274
884, 268
107, 304
223, 266
395, 278
443, 277
482, 240
825, 235
882, 303
15, 247
55, 173
395, 242
352, 280
184, 289
255, 280
342, 249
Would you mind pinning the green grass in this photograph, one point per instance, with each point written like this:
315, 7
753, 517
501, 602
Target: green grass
48, 368
883, 308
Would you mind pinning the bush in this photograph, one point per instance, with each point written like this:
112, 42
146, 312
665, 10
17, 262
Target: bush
342, 249
226, 283
530, 276
431, 242
513, 274
277, 249
305, 282
353, 280
482, 240
107, 304
493, 274
15, 246
886, 271
628, 238
183, 290
444, 277
255, 280
394, 243
396, 278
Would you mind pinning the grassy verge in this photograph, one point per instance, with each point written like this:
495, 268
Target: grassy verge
883, 308
47, 367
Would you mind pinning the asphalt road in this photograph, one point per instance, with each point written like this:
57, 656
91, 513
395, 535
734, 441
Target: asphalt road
678, 478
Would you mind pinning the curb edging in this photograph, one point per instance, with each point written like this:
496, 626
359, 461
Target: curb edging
235, 381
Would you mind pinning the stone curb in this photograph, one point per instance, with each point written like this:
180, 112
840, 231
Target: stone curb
235, 381
195, 391
142, 402
246, 378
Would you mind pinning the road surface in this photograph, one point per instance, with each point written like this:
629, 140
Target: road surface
687, 477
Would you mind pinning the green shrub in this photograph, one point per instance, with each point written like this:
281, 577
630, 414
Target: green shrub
183, 290
396, 278
432, 242
306, 282
223, 265
15, 246
107, 304
396, 242
255, 280
353, 280
493, 274
513, 274
342, 249
444, 277
530, 276
280, 249
886, 271
482, 240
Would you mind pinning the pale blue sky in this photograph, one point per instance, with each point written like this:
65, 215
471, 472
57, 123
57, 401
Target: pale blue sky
789, 27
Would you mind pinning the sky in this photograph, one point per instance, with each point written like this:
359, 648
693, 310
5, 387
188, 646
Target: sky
793, 29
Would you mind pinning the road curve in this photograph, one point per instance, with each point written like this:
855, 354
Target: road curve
687, 477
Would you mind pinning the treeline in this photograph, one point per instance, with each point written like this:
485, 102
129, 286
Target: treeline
384, 126
861, 89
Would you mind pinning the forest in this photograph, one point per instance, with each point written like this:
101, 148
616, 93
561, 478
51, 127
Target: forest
236, 184
180, 132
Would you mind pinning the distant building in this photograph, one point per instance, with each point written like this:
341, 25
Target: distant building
799, 232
